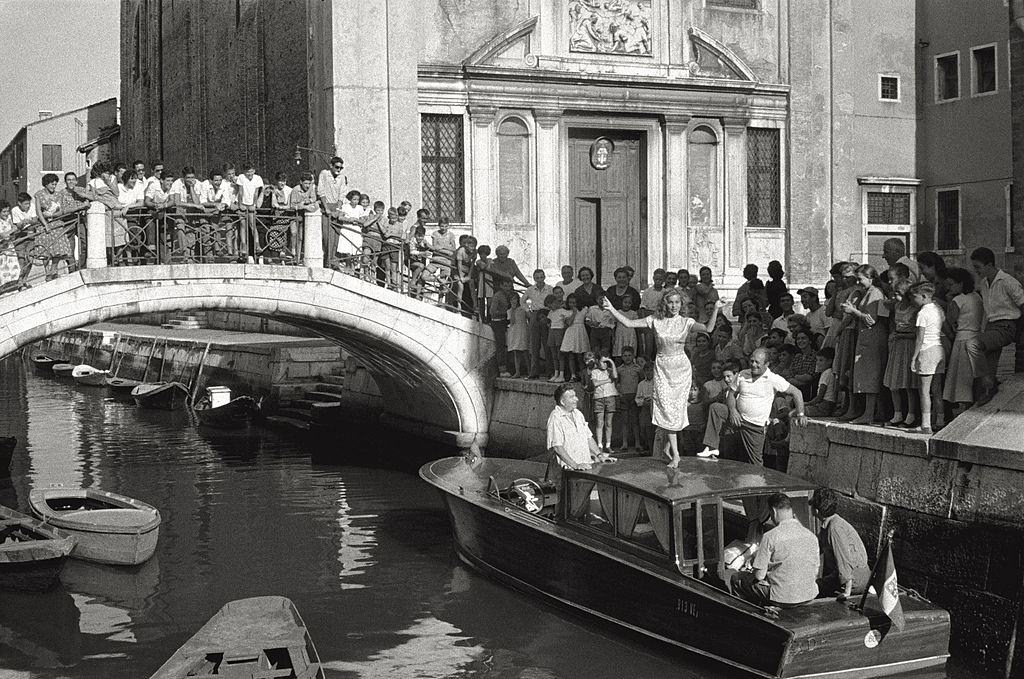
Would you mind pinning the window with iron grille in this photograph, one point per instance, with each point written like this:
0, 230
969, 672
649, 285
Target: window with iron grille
763, 178
741, 4
444, 188
947, 220
889, 88
51, 158
888, 208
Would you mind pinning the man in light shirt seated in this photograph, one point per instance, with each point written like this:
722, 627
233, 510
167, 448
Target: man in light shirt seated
748, 409
785, 568
570, 440
1003, 297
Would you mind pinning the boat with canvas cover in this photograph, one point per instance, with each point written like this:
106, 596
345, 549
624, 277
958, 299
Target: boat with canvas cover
644, 546
161, 395
32, 554
107, 527
255, 638
89, 376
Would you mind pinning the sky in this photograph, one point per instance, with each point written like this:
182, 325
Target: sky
56, 55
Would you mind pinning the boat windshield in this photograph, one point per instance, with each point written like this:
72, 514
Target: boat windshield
641, 522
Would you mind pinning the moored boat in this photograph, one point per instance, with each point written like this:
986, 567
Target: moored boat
121, 385
258, 637
45, 362
32, 554
63, 369
89, 376
162, 395
107, 527
237, 412
644, 546
7, 445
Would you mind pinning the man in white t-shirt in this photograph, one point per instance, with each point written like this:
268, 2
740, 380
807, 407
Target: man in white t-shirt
814, 311
185, 188
569, 438
250, 196
748, 408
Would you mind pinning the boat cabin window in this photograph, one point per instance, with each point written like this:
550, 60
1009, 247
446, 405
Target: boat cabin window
744, 517
640, 520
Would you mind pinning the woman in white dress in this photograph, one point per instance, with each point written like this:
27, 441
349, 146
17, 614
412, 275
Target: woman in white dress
672, 371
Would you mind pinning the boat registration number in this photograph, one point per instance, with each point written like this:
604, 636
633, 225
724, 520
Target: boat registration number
687, 607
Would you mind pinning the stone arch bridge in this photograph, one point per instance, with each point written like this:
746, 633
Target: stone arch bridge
433, 366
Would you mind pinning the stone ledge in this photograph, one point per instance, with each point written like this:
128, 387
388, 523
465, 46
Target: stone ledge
991, 435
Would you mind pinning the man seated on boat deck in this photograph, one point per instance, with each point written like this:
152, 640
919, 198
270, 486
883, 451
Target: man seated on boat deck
845, 570
785, 564
569, 438
748, 408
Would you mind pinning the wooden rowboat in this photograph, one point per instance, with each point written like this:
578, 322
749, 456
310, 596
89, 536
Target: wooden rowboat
644, 546
45, 362
63, 369
89, 376
162, 395
236, 413
107, 527
32, 554
7, 444
258, 637
121, 385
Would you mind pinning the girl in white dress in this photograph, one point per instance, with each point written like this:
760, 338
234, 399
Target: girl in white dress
624, 335
575, 341
518, 340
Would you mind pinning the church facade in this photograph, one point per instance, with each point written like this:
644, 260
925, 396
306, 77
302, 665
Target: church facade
648, 133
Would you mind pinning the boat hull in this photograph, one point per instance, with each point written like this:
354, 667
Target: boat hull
124, 534
584, 574
40, 575
63, 369
122, 386
170, 396
33, 561
44, 363
232, 415
89, 376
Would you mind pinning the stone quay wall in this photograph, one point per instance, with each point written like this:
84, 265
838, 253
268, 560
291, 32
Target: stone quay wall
956, 509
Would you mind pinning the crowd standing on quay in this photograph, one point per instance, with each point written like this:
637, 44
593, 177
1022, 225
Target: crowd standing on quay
909, 347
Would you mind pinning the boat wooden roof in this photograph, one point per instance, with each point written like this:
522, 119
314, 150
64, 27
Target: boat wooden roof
695, 478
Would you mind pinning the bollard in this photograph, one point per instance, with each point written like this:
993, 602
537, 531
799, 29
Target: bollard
96, 236
312, 245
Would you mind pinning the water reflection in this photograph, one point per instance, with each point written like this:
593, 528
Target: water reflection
365, 553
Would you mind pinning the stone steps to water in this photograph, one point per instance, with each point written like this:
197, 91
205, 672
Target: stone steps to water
328, 388
323, 396
290, 423
303, 414
337, 380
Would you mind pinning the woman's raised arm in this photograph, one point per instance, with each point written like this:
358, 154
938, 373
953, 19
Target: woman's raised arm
628, 322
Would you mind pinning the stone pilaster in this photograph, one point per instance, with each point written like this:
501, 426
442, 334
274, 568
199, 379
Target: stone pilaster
549, 207
735, 192
482, 173
674, 255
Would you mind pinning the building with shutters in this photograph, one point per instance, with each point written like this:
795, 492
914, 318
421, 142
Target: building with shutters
50, 144
649, 133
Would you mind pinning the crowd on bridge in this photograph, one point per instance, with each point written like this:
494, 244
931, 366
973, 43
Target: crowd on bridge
910, 347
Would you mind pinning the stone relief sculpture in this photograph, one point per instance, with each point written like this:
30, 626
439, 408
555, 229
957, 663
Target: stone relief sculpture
610, 27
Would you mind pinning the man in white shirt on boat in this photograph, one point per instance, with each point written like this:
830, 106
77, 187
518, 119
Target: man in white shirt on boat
569, 437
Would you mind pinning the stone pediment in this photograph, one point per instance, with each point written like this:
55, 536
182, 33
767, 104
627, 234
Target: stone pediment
712, 59
510, 48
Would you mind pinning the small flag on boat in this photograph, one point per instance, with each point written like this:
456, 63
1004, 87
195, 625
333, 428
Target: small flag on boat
883, 582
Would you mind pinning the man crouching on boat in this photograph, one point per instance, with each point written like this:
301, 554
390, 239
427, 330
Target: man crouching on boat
569, 437
786, 562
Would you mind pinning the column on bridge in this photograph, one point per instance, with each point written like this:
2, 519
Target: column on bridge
312, 246
96, 221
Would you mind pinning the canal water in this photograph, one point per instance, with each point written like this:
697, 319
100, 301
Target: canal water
347, 531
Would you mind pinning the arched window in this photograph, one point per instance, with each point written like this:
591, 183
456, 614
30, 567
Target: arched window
513, 171
702, 174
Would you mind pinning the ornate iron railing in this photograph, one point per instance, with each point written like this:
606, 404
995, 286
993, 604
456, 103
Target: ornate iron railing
192, 235
45, 249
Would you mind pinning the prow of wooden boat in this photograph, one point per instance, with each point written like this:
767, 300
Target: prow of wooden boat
254, 638
162, 395
237, 412
90, 376
32, 554
109, 528
644, 547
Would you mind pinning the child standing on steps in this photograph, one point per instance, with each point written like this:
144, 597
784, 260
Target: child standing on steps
575, 342
928, 361
624, 337
518, 340
556, 319
600, 377
630, 375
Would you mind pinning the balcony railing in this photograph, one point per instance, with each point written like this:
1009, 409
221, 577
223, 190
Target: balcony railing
45, 249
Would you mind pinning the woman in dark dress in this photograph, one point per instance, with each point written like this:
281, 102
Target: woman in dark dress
871, 350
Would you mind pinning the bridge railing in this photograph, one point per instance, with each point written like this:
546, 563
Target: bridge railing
44, 248
190, 234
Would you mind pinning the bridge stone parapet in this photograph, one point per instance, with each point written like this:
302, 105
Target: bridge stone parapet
433, 367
